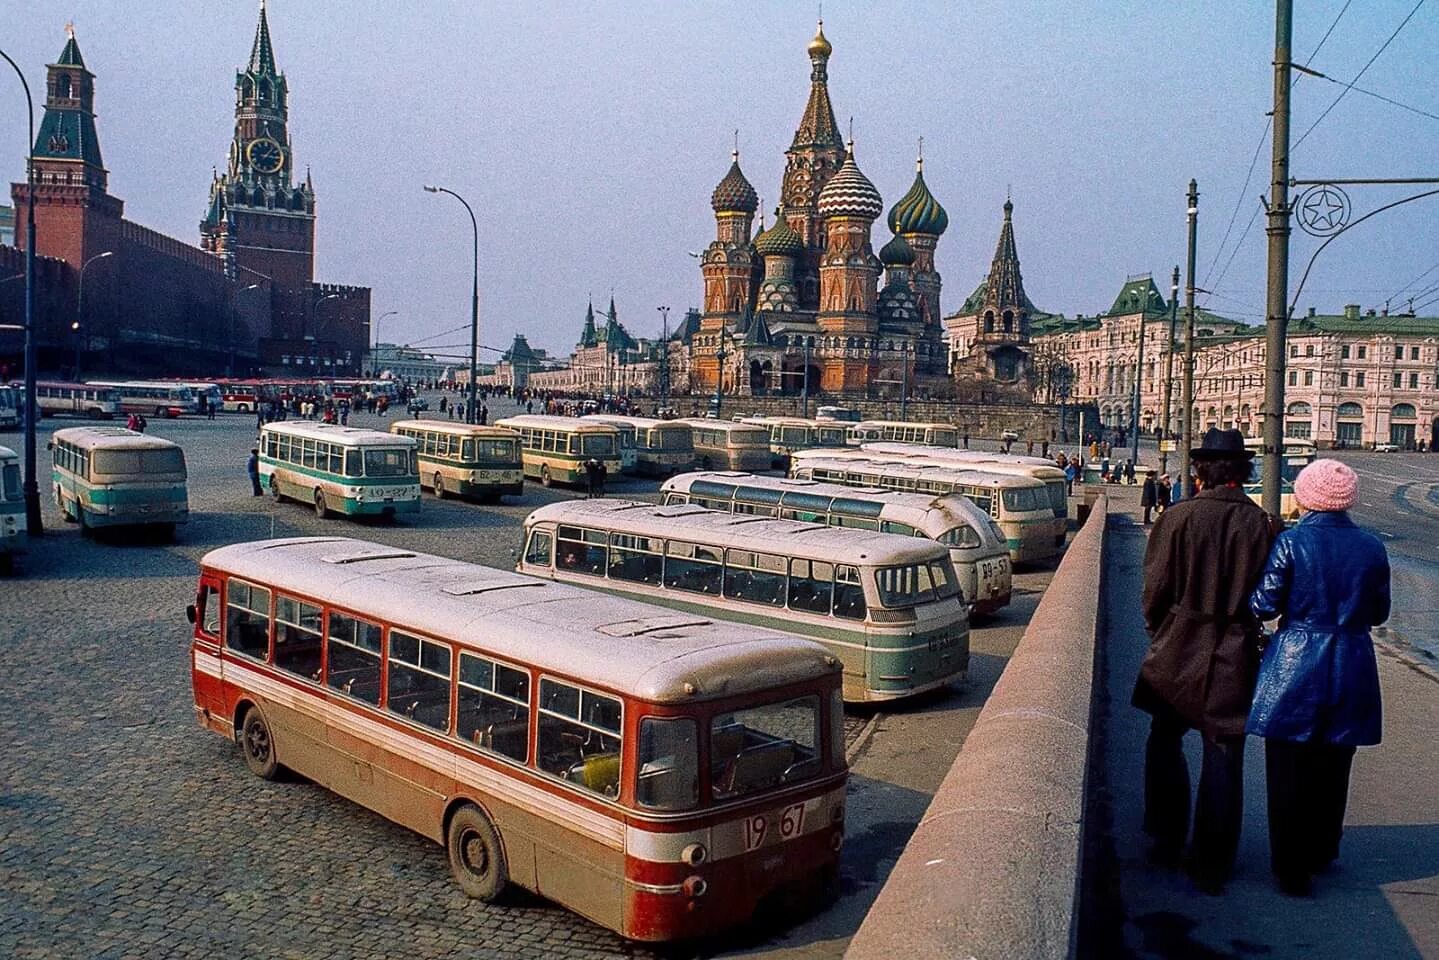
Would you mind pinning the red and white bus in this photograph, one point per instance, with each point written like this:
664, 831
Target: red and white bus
659, 773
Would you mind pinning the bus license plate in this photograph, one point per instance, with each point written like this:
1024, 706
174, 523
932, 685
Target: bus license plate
787, 825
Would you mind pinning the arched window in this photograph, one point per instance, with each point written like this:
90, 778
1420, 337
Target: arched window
62, 86
247, 90
1350, 410
1300, 409
1009, 321
1402, 411
989, 321
264, 91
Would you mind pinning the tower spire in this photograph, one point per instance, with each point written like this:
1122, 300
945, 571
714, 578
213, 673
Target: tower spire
262, 55
818, 127
1006, 287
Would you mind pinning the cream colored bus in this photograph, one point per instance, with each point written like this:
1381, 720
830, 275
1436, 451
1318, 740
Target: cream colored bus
939, 434
661, 448
466, 459
787, 435
110, 476
554, 449
727, 445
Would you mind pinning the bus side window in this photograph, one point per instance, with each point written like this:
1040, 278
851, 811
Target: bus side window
353, 460
210, 610
419, 680
539, 549
494, 707
579, 737
811, 585
848, 593
354, 657
298, 627
247, 619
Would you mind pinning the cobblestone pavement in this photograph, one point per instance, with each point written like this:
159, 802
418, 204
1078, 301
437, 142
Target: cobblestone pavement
127, 831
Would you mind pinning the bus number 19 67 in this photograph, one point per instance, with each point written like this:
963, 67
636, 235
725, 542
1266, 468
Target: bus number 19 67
790, 824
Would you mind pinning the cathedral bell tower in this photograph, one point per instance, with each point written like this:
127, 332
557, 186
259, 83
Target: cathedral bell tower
813, 157
259, 220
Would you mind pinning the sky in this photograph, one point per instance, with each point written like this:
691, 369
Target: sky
588, 137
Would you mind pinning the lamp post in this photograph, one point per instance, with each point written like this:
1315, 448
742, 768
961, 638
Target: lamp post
80, 308
1164, 432
1138, 383
33, 525
474, 303
374, 364
664, 356
235, 309
720, 356
314, 337
1186, 394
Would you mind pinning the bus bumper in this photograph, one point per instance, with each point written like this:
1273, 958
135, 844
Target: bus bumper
380, 508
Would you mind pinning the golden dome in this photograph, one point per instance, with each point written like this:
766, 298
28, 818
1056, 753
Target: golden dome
819, 46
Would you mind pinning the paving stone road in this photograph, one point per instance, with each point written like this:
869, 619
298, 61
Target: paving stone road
127, 831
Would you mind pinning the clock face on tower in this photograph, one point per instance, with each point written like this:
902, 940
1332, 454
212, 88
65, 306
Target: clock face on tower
265, 155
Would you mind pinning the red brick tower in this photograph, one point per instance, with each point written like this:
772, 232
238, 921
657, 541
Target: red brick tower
849, 272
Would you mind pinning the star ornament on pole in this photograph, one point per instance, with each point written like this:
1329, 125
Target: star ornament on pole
1323, 210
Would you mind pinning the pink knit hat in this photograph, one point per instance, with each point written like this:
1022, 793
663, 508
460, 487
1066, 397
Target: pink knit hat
1326, 485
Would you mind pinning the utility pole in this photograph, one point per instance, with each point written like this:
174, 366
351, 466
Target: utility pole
804, 382
664, 356
1277, 308
1138, 385
1166, 434
1186, 394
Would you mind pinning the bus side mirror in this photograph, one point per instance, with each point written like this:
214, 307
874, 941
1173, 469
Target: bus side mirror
49, 444
191, 613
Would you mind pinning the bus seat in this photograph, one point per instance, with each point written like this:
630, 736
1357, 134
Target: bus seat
758, 767
510, 737
727, 742
600, 773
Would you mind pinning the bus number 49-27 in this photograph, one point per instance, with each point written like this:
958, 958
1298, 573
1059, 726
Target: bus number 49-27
791, 823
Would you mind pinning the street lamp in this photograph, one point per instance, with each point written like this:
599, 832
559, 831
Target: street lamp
474, 304
1138, 383
234, 309
33, 524
314, 336
80, 308
374, 365
664, 356
720, 356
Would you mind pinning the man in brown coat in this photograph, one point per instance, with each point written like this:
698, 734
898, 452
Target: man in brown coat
1205, 556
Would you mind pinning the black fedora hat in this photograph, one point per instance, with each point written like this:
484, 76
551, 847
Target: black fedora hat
1221, 445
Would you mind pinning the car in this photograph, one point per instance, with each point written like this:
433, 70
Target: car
1009, 435
417, 404
1386, 448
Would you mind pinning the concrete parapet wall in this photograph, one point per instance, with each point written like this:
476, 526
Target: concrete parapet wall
993, 869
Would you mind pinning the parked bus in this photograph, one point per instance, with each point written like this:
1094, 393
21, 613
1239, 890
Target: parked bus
110, 477
13, 530
842, 414
208, 391
243, 396
1016, 465
661, 774
466, 459
726, 445
789, 434
1020, 505
54, 397
153, 397
938, 434
629, 454
662, 448
976, 544
340, 469
555, 448
1298, 454
9, 407
887, 606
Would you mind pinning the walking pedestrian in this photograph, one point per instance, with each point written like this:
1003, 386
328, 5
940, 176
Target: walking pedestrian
1162, 492
1317, 698
1149, 496
604, 473
1044, 449
1029, 448
592, 478
1203, 560
966, 439
1129, 472
252, 467
1071, 473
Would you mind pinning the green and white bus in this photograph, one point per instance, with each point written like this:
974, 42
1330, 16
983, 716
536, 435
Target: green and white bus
340, 469
555, 449
938, 434
887, 606
659, 448
12, 510
788, 435
1020, 505
466, 459
111, 477
976, 544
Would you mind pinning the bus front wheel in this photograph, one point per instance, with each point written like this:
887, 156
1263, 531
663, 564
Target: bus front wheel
476, 858
258, 746
440, 487
321, 509
275, 488
545, 478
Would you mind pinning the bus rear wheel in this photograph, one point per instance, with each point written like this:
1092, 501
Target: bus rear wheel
322, 510
440, 487
545, 478
275, 488
258, 746
476, 858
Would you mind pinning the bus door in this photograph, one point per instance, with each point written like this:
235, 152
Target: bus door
204, 613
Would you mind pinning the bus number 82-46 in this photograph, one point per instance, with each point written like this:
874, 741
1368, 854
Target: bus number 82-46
791, 824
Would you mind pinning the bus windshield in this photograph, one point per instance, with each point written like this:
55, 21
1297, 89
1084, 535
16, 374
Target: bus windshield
492, 451
137, 461
598, 445
915, 583
670, 439
1018, 499
762, 747
393, 462
10, 481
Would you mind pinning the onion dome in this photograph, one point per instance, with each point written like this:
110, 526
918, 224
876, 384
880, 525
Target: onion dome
896, 253
819, 48
779, 240
734, 193
917, 211
849, 193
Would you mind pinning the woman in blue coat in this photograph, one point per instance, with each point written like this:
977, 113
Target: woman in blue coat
1317, 698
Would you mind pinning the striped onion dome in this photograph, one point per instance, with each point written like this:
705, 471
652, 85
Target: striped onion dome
896, 253
734, 193
849, 193
779, 240
917, 211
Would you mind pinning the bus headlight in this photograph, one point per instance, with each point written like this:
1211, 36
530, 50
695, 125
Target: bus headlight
694, 854
694, 887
